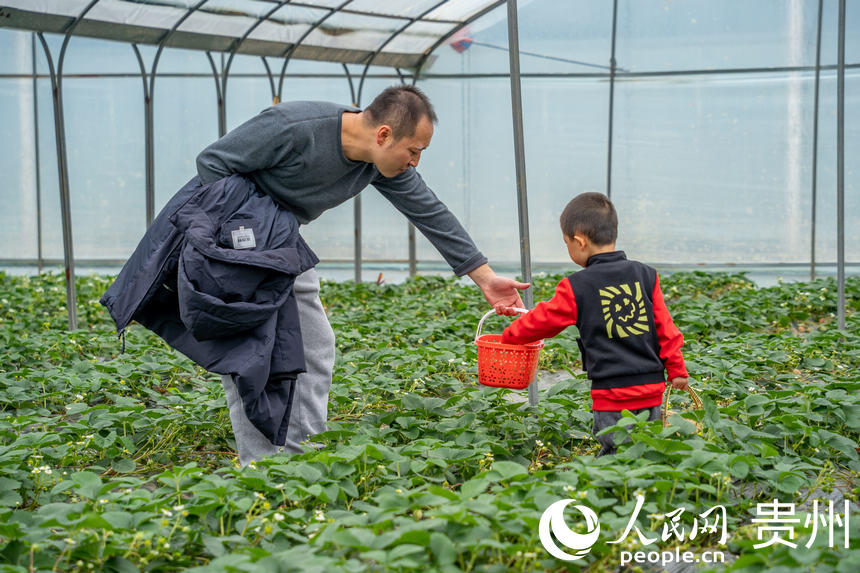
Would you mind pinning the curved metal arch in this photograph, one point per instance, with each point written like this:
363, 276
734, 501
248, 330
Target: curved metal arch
270, 76
222, 121
68, 37
351, 83
163, 41
390, 38
148, 97
445, 38
237, 43
400, 75
289, 52
142, 67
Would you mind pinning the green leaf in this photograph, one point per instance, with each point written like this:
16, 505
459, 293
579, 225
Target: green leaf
473, 487
505, 470
443, 492
739, 467
88, 484
123, 465
443, 549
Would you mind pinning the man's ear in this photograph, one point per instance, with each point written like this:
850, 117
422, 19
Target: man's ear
580, 239
384, 134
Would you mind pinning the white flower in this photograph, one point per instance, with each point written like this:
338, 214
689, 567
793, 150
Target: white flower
278, 517
639, 492
166, 512
319, 515
539, 443
79, 396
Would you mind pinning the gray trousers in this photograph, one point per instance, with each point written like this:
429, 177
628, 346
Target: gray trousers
606, 418
310, 400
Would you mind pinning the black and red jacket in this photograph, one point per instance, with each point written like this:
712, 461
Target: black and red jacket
629, 344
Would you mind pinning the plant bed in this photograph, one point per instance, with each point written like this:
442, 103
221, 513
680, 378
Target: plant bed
124, 462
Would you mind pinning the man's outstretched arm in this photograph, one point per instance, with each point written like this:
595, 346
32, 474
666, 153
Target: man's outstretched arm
502, 293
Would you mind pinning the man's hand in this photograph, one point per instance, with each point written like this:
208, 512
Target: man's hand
680, 383
502, 293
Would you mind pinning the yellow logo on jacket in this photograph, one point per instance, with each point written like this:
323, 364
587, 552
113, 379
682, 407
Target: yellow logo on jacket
624, 310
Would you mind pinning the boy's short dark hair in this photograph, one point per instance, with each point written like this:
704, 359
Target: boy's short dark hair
593, 215
400, 107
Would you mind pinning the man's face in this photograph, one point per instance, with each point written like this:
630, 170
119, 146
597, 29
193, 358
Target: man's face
393, 157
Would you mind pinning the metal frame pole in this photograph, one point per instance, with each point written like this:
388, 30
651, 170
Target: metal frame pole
63, 166
63, 174
611, 101
356, 201
356, 213
814, 206
149, 137
520, 157
410, 232
37, 157
840, 170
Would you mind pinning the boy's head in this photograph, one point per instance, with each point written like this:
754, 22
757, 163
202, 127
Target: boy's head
589, 224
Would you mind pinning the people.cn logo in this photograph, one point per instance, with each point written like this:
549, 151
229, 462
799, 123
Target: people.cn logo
580, 543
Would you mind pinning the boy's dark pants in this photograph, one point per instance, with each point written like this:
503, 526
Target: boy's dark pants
606, 418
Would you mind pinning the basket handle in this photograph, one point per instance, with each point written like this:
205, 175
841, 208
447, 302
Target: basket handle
487, 315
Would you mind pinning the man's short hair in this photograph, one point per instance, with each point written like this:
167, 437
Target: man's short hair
593, 215
400, 107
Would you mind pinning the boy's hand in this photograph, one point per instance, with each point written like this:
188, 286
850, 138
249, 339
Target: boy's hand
506, 310
680, 383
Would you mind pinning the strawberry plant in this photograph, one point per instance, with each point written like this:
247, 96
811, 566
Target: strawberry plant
115, 461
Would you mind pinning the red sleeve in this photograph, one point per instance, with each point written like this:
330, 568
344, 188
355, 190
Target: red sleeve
546, 319
671, 339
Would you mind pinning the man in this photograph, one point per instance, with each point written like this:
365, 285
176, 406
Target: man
310, 157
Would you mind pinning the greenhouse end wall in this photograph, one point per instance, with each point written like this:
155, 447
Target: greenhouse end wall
712, 152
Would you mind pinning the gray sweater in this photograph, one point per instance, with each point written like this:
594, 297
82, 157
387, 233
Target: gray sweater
293, 152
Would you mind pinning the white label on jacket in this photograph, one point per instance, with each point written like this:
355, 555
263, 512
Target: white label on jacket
244, 238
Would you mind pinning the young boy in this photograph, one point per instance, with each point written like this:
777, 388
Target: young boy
629, 344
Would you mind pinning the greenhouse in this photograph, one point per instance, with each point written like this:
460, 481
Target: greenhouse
721, 132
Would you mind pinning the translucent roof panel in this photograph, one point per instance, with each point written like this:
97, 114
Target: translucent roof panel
398, 34
356, 31
405, 10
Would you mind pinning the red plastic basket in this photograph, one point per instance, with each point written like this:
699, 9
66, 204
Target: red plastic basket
505, 365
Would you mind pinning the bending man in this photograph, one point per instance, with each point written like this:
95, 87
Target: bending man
310, 157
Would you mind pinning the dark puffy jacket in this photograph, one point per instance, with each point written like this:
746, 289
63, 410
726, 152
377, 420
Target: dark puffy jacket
213, 276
